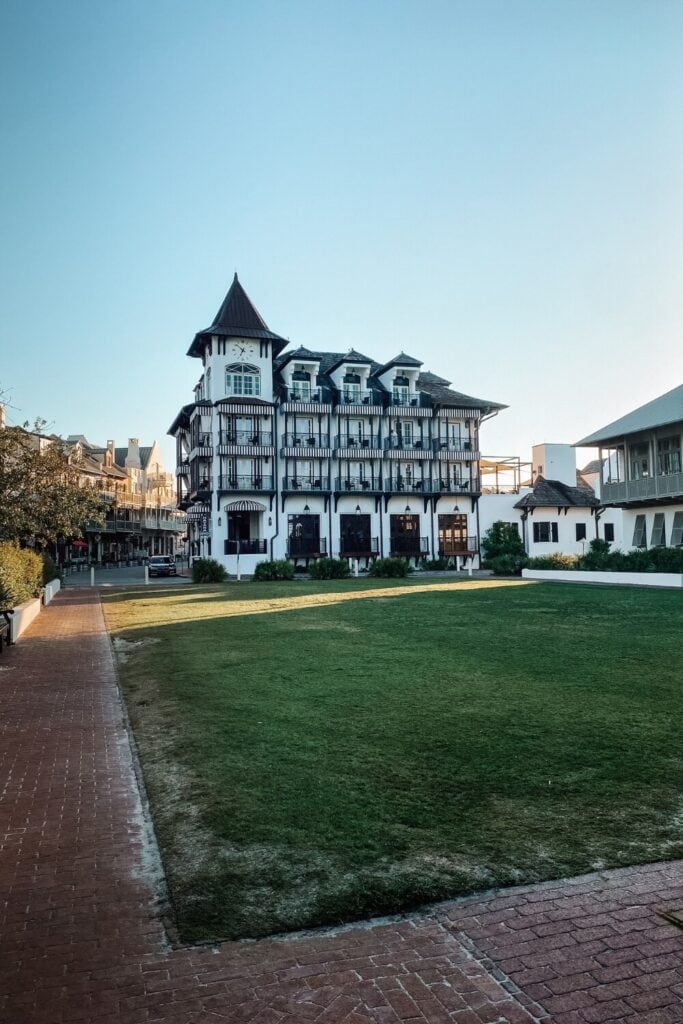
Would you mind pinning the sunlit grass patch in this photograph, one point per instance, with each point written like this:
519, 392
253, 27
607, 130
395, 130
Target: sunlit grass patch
317, 752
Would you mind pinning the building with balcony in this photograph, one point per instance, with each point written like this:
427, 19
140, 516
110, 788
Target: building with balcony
641, 471
292, 453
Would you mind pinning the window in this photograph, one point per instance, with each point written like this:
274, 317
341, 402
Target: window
352, 387
640, 461
452, 534
242, 379
580, 531
639, 540
669, 455
545, 533
677, 530
609, 532
658, 538
401, 390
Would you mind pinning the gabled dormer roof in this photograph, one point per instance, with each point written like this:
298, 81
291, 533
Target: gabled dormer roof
305, 355
237, 318
400, 360
352, 357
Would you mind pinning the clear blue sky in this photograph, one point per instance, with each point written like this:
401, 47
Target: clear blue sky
492, 186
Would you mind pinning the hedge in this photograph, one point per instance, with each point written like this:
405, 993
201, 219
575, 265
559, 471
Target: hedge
21, 575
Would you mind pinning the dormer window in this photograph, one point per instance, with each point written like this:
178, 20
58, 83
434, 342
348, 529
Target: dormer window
242, 379
401, 390
351, 388
301, 385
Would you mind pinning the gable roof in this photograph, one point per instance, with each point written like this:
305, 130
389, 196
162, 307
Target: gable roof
447, 397
400, 360
236, 318
668, 408
121, 453
553, 493
353, 358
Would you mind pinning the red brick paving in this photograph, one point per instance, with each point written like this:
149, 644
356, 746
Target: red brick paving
81, 899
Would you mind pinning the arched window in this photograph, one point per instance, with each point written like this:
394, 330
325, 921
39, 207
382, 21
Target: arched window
242, 379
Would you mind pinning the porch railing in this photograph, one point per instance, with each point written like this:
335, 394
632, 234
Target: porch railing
245, 547
405, 544
306, 547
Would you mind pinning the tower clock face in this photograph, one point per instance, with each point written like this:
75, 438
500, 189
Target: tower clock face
243, 350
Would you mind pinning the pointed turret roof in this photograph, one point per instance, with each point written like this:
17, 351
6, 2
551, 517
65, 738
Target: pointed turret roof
237, 318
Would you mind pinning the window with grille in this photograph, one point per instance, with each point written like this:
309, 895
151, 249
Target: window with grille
545, 533
242, 379
669, 455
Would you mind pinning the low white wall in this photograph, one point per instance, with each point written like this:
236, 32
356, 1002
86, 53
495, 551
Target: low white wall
24, 614
51, 588
631, 579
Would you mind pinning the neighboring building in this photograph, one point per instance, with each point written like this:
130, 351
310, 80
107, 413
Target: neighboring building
298, 454
555, 515
138, 494
641, 470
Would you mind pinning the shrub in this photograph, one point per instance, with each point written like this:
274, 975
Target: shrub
659, 559
21, 575
208, 570
598, 555
50, 570
435, 564
276, 570
506, 565
501, 539
329, 569
555, 561
390, 567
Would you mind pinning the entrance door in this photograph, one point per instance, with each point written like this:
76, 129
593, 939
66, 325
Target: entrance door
452, 534
355, 536
405, 534
304, 535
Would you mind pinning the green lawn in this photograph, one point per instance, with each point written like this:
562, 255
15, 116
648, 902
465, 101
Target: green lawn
316, 753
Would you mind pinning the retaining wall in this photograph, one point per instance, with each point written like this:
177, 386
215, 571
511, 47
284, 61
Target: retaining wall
624, 579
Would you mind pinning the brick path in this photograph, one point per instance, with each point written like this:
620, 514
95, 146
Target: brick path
81, 934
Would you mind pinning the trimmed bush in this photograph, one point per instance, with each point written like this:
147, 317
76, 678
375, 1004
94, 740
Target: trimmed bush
21, 575
329, 569
279, 569
435, 564
50, 570
390, 567
554, 561
501, 539
208, 570
506, 565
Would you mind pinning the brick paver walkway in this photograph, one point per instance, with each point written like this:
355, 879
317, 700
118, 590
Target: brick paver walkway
81, 899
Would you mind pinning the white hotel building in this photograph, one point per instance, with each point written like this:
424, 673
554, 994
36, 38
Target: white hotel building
299, 454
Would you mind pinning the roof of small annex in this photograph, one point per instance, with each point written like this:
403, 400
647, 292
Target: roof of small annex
236, 318
555, 494
668, 408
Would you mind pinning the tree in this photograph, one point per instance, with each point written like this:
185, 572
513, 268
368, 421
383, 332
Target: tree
41, 493
502, 549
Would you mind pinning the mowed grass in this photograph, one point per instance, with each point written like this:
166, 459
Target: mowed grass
316, 753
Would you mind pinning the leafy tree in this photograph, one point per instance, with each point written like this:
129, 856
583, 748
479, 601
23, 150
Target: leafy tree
502, 539
42, 496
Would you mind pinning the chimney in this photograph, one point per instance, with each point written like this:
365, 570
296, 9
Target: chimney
133, 456
110, 457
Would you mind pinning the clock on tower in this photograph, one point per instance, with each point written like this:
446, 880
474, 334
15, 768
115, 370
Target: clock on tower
243, 350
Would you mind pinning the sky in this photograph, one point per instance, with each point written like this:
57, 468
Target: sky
493, 187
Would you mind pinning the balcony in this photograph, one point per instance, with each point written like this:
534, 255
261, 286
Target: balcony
256, 439
371, 442
245, 483
358, 547
357, 483
419, 447
348, 396
647, 488
306, 547
458, 546
245, 547
302, 439
183, 468
410, 401
305, 483
408, 545
457, 485
402, 486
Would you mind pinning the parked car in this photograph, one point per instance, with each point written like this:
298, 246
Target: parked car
162, 565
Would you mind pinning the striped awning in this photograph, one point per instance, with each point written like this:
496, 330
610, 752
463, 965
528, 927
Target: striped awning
245, 505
